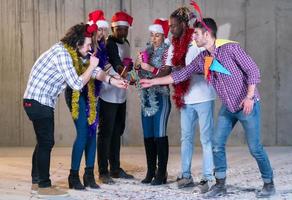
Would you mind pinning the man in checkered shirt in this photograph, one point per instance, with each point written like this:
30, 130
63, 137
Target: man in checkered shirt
49, 76
240, 102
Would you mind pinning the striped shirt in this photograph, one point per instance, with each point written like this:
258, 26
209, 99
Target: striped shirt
230, 89
50, 74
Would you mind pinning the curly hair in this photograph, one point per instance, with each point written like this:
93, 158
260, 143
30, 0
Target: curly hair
75, 35
182, 14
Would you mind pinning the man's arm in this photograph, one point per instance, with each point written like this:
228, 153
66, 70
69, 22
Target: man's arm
196, 66
65, 66
246, 63
146, 83
113, 54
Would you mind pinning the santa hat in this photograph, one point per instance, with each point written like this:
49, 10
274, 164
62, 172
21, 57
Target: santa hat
98, 18
121, 19
160, 26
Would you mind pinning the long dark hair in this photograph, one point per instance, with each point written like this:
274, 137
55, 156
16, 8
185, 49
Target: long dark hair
75, 35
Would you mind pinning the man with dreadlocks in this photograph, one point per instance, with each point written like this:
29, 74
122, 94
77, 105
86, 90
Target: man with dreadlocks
235, 76
195, 99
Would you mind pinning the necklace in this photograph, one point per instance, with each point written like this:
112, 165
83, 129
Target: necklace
149, 103
180, 48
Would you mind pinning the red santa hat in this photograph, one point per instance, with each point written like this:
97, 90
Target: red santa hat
98, 18
122, 19
160, 26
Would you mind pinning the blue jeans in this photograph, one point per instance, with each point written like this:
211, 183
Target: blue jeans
190, 115
155, 126
83, 141
251, 124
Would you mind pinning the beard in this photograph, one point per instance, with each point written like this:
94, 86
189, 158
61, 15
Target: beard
80, 54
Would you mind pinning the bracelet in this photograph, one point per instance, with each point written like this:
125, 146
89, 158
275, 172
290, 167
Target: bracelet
250, 98
109, 80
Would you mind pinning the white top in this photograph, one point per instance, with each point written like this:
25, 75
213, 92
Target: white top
111, 93
199, 90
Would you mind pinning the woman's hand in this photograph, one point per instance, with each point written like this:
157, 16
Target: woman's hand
146, 67
120, 83
139, 58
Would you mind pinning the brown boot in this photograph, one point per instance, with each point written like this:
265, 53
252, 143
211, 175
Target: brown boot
51, 192
34, 188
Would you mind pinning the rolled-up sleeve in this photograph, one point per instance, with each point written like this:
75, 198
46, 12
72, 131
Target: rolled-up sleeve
65, 66
196, 66
246, 63
95, 71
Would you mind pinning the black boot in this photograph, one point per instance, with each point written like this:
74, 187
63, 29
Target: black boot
151, 157
268, 190
217, 190
88, 178
74, 181
162, 153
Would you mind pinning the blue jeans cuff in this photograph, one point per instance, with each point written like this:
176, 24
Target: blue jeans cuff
208, 177
220, 175
267, 180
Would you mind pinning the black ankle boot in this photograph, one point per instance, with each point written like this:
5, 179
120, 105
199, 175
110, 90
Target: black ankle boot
151, 157
268, 190
74, 181
162, 153
217, 190
88, 178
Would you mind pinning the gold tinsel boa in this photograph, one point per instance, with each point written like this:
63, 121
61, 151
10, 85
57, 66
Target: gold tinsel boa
80, 69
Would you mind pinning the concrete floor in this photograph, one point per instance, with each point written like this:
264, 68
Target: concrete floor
243, 175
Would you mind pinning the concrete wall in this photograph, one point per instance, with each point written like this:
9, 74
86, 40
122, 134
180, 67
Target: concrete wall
29, 27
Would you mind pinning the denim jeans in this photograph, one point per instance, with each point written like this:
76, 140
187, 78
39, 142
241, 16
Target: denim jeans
155, 126
83, 142
251, 124
42, 118
190, 115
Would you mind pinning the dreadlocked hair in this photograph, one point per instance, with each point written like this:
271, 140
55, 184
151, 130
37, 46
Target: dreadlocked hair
181, 14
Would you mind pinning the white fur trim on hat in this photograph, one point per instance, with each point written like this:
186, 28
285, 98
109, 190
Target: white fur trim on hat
157, 28
120, 23
102, 24
90, 22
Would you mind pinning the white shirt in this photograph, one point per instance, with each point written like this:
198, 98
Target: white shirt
111, 93
199, 90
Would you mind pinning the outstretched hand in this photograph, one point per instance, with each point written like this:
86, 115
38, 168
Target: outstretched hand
119, 82
146, 83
